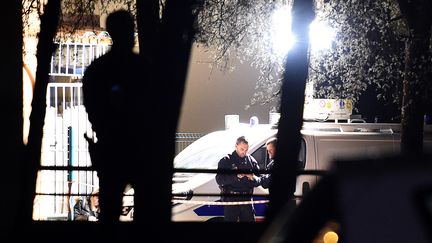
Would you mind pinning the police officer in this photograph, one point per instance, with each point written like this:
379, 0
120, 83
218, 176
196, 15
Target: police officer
271, 150
238, 187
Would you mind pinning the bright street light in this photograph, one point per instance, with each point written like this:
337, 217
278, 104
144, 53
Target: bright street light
321, 35
281, 34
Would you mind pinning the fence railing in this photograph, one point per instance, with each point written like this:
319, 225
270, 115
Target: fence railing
184, 139
71, 59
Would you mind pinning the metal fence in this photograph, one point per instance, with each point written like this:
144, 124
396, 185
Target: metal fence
71, 59
63, 148
183, 139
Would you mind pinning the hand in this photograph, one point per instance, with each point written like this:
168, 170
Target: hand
240, 175
250, 177
92, 218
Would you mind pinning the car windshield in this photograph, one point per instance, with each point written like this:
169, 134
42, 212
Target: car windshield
206, 152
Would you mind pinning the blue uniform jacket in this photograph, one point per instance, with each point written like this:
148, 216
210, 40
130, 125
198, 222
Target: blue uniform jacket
230, 182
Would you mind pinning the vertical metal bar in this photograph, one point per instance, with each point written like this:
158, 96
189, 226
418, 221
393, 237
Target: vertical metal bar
68, 173
52, 64
55, 123
67, 58
98, 51
90, 53
62, 175
63, 123
65, 128
59, 56
79, 118
48, 105
55, 134
75, 58
70, 159
75, 174
71, 112
82, 58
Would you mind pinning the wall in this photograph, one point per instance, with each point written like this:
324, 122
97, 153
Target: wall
212, 94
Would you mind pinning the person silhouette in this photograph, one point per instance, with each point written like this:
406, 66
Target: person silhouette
271, 150
113, 87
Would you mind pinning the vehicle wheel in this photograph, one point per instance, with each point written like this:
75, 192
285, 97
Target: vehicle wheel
215, 219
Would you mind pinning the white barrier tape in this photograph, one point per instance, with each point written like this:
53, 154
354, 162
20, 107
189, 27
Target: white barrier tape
220, 203
82, 183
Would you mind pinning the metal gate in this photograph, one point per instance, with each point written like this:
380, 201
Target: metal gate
71, 59
66, 169
65, 160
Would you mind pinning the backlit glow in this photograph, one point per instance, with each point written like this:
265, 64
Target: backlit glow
282, 37
321, 35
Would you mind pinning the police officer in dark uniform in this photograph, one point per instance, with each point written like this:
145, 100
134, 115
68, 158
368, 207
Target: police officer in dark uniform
271, 150
238, 187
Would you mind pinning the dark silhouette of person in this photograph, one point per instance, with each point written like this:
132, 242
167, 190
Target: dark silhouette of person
271, 150
113, 88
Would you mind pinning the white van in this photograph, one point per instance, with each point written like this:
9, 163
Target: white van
196, 193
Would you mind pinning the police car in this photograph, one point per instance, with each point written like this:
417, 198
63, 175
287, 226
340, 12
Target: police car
196, 193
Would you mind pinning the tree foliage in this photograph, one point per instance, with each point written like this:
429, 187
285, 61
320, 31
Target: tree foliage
74, 15
241, 30
78, 15
368, 50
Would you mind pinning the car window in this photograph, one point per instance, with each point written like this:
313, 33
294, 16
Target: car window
262, 157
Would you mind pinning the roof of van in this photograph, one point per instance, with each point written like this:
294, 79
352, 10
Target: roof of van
351, 127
